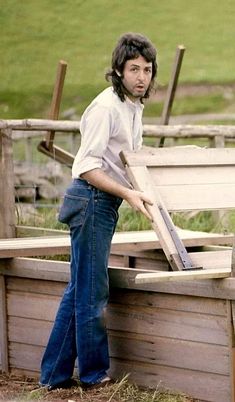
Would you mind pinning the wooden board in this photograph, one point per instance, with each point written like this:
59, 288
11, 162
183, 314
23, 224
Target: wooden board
193, 179
122, 241
187, 178
183, 275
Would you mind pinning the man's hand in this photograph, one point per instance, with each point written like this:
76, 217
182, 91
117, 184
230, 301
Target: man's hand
138, 201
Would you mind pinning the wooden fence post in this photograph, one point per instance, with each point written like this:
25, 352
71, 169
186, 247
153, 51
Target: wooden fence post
7, 229
7, 191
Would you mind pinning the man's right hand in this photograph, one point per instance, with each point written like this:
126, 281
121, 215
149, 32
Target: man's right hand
138, 200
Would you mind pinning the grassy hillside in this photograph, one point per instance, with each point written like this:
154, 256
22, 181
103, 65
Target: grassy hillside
35, 35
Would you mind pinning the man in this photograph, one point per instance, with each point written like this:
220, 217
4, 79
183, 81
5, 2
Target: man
111, 123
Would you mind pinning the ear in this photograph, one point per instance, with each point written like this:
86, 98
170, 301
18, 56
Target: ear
118, 73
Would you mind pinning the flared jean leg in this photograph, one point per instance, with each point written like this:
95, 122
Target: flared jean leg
79, 329
59, 357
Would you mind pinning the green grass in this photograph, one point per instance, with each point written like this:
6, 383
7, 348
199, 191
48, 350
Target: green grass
36, 35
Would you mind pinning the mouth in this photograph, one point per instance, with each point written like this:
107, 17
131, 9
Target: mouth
140, 88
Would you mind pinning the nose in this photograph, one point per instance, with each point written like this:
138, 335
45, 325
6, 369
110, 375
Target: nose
141, 75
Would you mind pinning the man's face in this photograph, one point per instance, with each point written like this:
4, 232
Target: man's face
137, 76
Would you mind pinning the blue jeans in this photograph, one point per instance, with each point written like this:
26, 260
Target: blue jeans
79, 329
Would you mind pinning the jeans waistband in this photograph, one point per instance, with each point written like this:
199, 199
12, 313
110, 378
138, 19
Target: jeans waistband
86, 184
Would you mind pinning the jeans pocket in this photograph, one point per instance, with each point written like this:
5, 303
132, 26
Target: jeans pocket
73, 210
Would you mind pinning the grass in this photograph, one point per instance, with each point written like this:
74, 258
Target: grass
36, 35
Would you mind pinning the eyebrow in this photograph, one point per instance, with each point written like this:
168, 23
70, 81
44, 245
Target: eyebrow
137, 65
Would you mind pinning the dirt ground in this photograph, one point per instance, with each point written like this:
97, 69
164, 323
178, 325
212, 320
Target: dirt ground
17, 388
21, 389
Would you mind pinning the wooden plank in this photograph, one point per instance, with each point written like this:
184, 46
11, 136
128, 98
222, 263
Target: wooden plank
29, 331
58, 271
3, 327
179, 175
183, 354
199, 385
210, 306
56, 153
168, 323
198, 197
142, 181
122, 242
183, 275
26, 357
29, 305
179, 156
35, 286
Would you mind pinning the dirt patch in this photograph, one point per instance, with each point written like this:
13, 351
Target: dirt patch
21, 389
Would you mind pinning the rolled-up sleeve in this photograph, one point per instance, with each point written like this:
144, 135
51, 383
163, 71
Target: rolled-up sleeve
96, 126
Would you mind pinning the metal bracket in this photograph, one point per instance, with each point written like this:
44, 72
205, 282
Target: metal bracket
182, 256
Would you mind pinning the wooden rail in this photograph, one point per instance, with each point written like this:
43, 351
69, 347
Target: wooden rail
150, 130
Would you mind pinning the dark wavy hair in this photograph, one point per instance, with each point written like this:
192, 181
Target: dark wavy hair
130, 46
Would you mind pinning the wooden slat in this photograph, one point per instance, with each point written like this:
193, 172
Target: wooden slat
210, 306
142, 181
3, 327
169, 352
26, 357
197, 384
42, 307
179, 156
29, 331
198, 197
179, 175
183, 275
122, 241
168, 323
58, 271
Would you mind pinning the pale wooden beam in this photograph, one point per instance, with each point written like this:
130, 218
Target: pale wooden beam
183, 275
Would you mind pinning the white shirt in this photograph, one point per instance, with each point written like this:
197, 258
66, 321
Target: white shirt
108, 126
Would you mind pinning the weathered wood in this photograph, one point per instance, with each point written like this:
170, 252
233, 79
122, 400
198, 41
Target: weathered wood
171, 90
189, 156
183, 275
56, 100
166, 351
122, 242
7, 199
56, 153
142, 181
4, 363
167, 324
199, 385
157, 130
119, 278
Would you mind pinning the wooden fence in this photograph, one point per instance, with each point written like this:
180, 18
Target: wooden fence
170, 335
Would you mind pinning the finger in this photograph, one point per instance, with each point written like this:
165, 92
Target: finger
146, 212
147, 199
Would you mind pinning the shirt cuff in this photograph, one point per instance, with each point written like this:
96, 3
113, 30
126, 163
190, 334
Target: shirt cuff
85, 165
